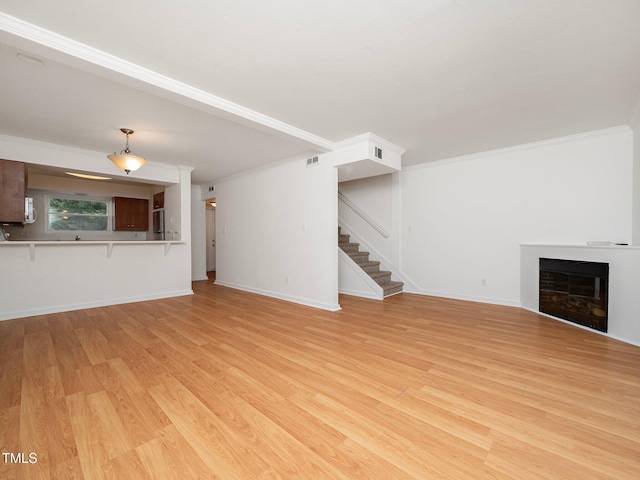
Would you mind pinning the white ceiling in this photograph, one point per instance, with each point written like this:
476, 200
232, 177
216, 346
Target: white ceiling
226, 86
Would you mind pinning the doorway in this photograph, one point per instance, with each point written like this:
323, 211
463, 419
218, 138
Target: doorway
210, 211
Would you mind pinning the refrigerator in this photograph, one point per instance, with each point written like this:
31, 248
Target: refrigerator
158, 225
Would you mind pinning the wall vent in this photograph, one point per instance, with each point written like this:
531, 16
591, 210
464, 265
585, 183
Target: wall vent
378, 153
312, 161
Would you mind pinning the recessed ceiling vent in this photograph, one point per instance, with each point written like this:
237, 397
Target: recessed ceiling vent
312, 161
378, 153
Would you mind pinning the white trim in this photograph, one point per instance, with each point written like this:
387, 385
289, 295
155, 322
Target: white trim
47, 38
288, 298
48, 195
82, 306
469, 298
360, 294
525, 146
611, 246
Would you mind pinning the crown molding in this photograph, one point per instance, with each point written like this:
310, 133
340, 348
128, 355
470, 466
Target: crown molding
621, 129
40, 36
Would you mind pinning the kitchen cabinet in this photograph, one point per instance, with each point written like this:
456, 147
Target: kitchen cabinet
158, 201
13, 190
130, 214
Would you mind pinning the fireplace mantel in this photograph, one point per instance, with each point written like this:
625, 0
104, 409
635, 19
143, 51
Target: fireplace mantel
624, 281
594, 246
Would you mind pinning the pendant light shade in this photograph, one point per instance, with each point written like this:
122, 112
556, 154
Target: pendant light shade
126, 160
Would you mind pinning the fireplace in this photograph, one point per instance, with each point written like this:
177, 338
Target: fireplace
575, 290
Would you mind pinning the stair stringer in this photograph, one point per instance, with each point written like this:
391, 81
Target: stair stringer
353, 280
385, 264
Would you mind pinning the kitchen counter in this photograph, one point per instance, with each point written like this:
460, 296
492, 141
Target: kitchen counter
32, 245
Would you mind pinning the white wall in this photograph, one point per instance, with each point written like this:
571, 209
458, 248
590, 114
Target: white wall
635, 125
70, 277
177, 210
462, 220
198, 235
276, 233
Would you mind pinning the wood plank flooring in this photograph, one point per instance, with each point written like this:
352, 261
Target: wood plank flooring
225, 384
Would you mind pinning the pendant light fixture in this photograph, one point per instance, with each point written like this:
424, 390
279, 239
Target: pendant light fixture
126, 160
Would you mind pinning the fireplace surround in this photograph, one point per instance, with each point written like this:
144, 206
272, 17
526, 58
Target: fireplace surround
576, 291
623, 300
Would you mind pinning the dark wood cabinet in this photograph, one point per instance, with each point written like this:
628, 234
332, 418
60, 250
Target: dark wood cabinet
13, 190
130, 214
158, 201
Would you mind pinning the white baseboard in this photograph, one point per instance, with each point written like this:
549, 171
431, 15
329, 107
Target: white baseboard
82, 306
279, 296
361, 294
468, 298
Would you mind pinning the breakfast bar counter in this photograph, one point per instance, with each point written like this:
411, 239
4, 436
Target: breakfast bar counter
33, 245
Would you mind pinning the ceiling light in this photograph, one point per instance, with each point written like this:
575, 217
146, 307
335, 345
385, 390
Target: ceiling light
127, 160
90, 177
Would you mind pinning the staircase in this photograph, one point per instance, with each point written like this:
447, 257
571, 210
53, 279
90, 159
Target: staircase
372, 268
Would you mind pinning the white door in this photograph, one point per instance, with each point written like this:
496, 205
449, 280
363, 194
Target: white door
211, 239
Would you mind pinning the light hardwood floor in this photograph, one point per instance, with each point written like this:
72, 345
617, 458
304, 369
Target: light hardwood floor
226, 384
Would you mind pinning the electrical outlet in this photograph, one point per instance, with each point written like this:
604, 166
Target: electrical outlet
483, 282
286, 280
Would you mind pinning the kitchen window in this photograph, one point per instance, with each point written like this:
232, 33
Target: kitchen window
70, 213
